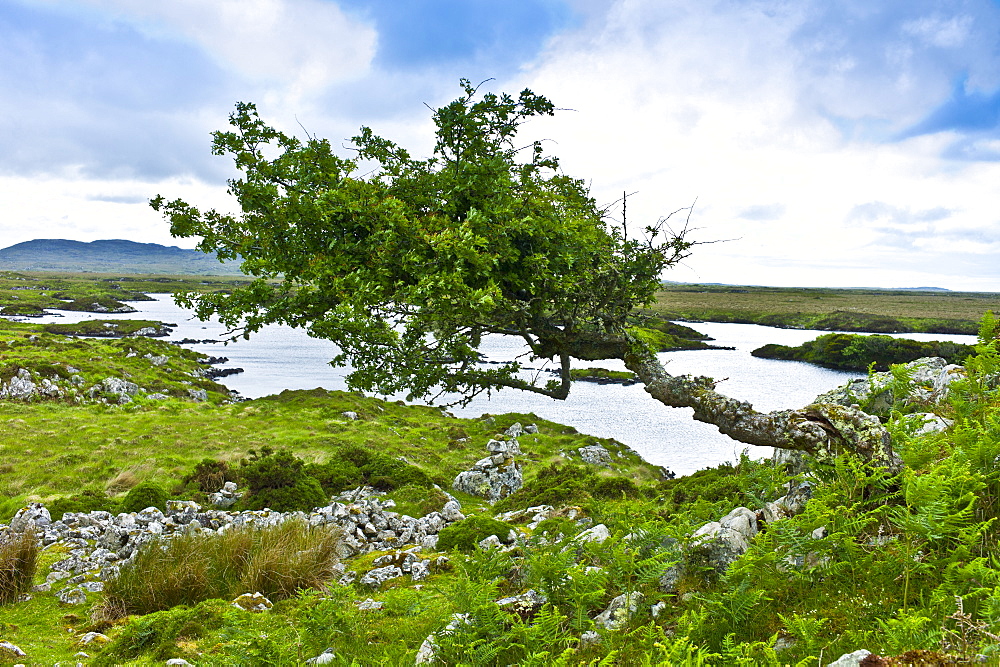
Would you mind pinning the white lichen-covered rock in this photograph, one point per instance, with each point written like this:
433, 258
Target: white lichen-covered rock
619, 611
850, 659
722, 542
597, 533
595, 455
255, 602
930, 382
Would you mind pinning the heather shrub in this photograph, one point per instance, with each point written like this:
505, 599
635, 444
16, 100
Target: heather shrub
352, 466
187, 569
278, 480
18, 562
144, 495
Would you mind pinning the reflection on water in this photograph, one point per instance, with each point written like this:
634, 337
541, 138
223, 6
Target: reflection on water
280, 358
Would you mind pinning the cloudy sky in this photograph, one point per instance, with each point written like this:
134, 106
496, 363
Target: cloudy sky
827, 142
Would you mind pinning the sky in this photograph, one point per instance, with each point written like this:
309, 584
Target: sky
829, 143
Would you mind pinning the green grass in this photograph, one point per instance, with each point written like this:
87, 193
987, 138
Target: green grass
866, 310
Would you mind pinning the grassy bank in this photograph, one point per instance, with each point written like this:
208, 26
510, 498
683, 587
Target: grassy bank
863, 310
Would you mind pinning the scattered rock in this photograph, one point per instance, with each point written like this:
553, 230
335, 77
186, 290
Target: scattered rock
597, 533
595, 455
850, 659
621, 609
252, 602
324, 658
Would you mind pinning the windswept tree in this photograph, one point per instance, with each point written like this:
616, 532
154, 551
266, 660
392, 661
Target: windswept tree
407, 263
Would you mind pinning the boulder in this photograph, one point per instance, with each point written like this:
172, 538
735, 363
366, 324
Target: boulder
722, 542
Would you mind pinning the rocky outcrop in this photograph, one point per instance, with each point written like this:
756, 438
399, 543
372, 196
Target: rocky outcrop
499, 474
929, 382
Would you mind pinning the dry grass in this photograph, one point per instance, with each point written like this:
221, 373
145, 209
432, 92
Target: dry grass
276, 561
18, 562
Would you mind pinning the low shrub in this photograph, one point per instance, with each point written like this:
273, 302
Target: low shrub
278, 480
275, 561
141, 496
464, 535
557, 484
18, 562
352, 466
210, 475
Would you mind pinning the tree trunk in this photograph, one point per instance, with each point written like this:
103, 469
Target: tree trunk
821, 429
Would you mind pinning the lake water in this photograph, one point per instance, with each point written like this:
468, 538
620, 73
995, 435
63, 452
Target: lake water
280, 357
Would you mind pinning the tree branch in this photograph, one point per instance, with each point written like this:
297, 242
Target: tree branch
821, 429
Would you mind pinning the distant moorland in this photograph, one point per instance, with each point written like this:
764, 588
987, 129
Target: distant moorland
111, 256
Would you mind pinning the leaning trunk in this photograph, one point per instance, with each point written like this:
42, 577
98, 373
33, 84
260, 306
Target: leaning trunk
824, 430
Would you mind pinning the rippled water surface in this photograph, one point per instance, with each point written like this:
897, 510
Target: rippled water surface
280, 358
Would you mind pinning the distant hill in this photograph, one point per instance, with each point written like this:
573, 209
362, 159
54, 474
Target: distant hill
112, 256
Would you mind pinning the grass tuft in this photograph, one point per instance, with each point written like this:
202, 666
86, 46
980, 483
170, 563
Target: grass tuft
18, 562
276, 561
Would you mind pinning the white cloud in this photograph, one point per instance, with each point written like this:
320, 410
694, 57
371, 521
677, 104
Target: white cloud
678, 100
947, 33
296, 47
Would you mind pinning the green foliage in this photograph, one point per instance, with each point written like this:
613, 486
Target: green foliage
279, 481
187, 569
406, 265
146, 494
18, 562
464, 535
351, 466
210, 475
854, 352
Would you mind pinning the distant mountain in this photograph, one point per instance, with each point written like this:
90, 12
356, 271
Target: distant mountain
112, 256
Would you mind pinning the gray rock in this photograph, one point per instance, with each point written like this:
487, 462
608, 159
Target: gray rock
34, 516
350, 415
72, 596
123, 390
525, 603
619, 611
375, 578
428, 649
200, 395
20, 386
514, 431
368, 605
492, 482
10, 649
324, 658
723, 541
850, 659
595, 455
597, 533
452, 511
